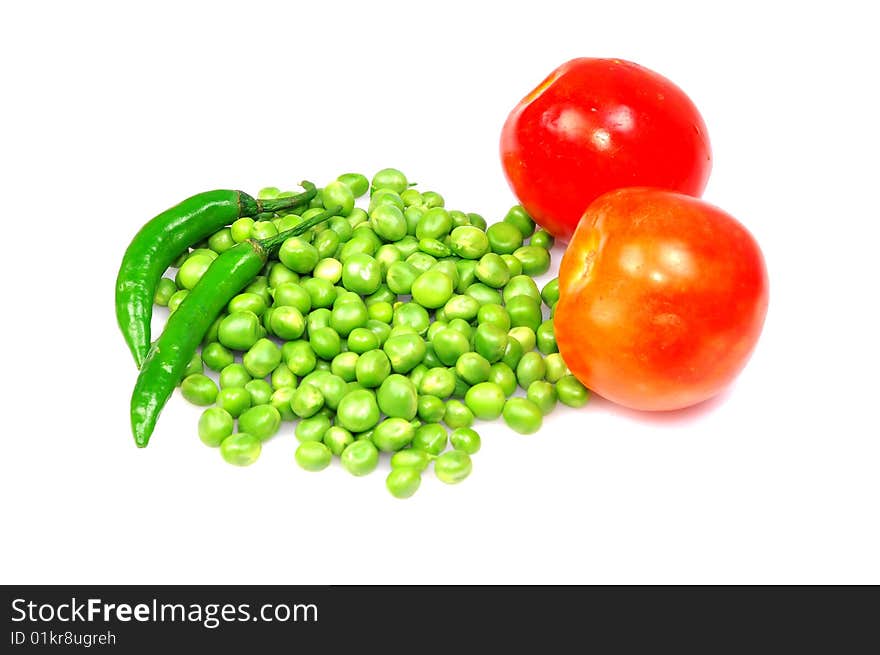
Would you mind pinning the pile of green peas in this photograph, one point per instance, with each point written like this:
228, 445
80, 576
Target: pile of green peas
389, 328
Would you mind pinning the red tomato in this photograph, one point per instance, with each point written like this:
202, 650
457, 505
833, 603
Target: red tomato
595, 125
662, 299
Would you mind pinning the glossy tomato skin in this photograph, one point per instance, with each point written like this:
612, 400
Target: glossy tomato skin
662, 299
595, 125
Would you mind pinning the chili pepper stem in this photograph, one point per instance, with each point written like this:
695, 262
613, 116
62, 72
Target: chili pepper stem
271, 244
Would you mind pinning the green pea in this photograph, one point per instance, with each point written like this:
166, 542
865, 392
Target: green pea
307, 401
430, 438
535, 260
362, 242
463, 307
372, 368
530, 368
234, 375
382, 294
453, 466
337, 439
344, 365
466, 440
216, 356
483, 294
381, 311
490, 341
338, 194
397, 397
362, 274
261, 421
342, 227
327, 243
518, 217
240, 449
260, 391
262, 358
291, 294
434, 247
192, 271
449, 345
495, 315
321, 292
280, 400
521, 285
432, 289
514, 267
432, 199
268, 193
469, 242
431, 360
458, 415
234, 400
164, 290
503, 375
525, 336
325, 342
221, 241
312, 429
390, 178
357, 217
403, 482
485, 400
405, 351
411, 458
546, 338
360, 457
400, 277
313, 456
357, 183
348, 316
393, 434
215, 424
522, 415
435, 223
299, 357
462, 326
213, 333
358, 411
411, 197
298, 255
430, 408
247, 302
263, 230
438, 381
362, 340
458, 218
492, 271
473, 368
408, 245
332, 387
198, 389
504, 238
542, 239
550, 292
524, 311
328, 268
176, 299
388, 222
318, 318
543, 394
571, 392
260, 286
382, 197
287, 322
239, 331
421, 262
412, 315
556, 368
240, 230
466, 274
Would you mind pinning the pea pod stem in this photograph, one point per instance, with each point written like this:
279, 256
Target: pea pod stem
167, 358
164, 238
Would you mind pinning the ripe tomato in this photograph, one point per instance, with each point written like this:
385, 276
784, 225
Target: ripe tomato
662, 299
595, 125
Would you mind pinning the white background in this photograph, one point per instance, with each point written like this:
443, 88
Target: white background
111, 114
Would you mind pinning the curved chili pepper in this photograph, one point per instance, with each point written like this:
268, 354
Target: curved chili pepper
168, 357
164, 238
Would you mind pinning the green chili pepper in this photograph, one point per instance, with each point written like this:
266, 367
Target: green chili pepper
166, 237
168, 357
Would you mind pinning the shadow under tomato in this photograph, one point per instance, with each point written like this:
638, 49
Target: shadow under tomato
671, 418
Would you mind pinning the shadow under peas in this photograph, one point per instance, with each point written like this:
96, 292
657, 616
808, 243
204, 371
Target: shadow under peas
673, 418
